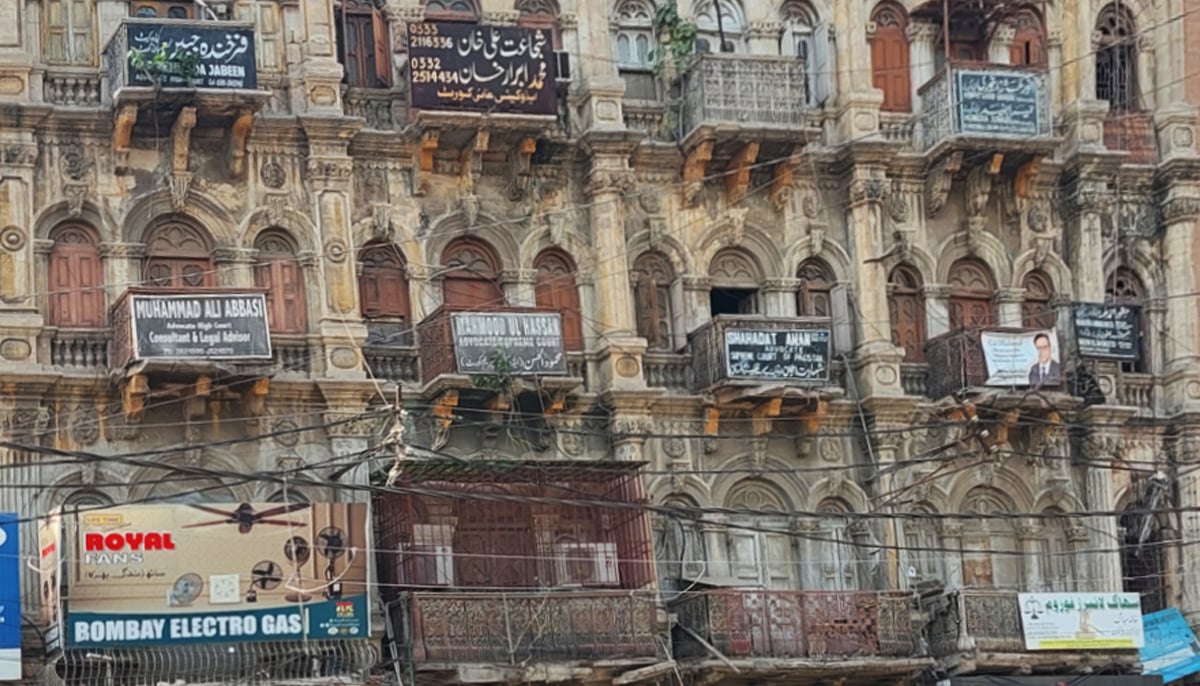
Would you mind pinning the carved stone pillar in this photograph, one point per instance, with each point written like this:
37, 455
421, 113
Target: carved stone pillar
18, 152
122, 266
715, 543
1092, 200
1027, 540
780, 297
316, 79
877, 363
937, 309
858, 100
235, 267
1180, 212
1008, 301
329, 175
696, 308
952, 540
922, 42
519, 286
763, 37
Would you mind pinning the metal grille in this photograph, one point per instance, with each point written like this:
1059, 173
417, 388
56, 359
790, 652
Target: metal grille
738, 89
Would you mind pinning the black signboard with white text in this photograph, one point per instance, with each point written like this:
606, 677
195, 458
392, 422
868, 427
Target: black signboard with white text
200, 327
794, 354
998, 103
1107, 331
481, 68
224, 55
530, 343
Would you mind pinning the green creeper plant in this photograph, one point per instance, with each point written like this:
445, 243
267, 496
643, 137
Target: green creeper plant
165, 61
676, 40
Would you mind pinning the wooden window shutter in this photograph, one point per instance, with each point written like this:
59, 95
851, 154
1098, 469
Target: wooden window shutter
383, 49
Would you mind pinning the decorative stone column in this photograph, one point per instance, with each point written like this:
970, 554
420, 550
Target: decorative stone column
937, 309
951, 535
519, 286
779, 296
317, 77
763, 37
858, 100
1092, 200
122, 266
877, 362
715, 543
1180, 213
1009, 301
922, 51
329, 174
1027, 540
235, 267
696, 308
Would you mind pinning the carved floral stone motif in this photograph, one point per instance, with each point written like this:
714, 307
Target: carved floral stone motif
272, 174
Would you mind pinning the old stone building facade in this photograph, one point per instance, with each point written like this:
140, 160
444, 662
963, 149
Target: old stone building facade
839, 184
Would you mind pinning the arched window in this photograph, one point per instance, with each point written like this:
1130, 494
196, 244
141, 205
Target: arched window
652, 278
923, 545
364, 44
719, 26
472, 275
760, 558
76, 279
383, 282
736, 278
277, 269
836, 548
1036, 312
1055, 561
906, 309
889, 57
801, 38
162, 9
972, 290
1126, 288
451, 10
1143, 556
178, 256
1028, 46
635, 34
82, 501
815, 295
69, 32
1116, 58
539, 15
987, 543
556, 290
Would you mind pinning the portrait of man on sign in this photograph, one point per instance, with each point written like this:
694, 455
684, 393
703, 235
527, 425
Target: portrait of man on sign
1047, 371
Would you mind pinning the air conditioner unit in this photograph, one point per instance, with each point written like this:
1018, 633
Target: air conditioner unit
587, 564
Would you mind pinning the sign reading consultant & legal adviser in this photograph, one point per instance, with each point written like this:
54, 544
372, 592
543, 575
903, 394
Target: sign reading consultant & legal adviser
196, 326
216, 573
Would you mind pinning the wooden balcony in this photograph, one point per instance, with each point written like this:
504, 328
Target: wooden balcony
987, 107
750, 625
956, 364
975, 630
446, 631
752, 350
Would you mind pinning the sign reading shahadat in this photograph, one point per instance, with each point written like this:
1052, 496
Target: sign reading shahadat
1081, 621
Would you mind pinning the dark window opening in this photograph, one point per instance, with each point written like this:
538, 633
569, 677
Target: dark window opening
733, 301
364, 47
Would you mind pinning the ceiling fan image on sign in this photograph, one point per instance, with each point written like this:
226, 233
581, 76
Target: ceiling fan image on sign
245, 516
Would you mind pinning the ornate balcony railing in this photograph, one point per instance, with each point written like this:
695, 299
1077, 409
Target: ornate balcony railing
72, 87
292, 354
985, 101
989, 620
376, 106
797, 624
668, 370
79, 348
913, 377
743, 90
529, 339
523, 627
398, 365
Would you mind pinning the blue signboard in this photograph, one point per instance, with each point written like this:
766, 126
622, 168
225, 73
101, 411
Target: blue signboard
1171, 649
10, 598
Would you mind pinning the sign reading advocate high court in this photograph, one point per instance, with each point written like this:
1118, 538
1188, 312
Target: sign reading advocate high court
218, 573
200, 327
481, 68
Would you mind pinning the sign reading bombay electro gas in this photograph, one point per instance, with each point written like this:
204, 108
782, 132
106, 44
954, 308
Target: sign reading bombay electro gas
224, 54
796, 354
155, 574
200, 327
1107, 331
1081, 621
1004, 103
10, 598
482, 68
530, 343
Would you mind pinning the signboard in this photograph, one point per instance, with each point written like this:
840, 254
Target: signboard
796, 354
531, 343
1081, 621
10, 598
224, 54
188, 574
200, 327
1171, 648
50, 568
1004, 103
456, 66
1108, 331
1024, 358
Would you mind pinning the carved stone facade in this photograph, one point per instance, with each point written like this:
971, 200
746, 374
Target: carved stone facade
869, 213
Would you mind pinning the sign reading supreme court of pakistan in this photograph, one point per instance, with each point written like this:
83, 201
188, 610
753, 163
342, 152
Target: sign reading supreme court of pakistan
200, 327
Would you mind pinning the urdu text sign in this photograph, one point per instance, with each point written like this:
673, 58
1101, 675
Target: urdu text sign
200, 327
1081, 621
10, 599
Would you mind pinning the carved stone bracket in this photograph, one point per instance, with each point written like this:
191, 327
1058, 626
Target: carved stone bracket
782, 183
762, 416
693, 171
254, 397
133, 397
181, 138
979, 185
423, 162
520, 163
181, 185
939, 182
1027, 176
236, 150
123, 128
470, 159
737, 178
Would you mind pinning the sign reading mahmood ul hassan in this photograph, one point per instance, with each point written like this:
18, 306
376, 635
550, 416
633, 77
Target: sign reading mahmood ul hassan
1171, 649
1081, 621
10, 599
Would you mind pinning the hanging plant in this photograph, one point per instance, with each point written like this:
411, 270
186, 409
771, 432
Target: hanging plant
676, 40
501, 379
165, 61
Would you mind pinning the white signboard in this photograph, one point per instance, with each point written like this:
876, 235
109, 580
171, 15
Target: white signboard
1081, 621
1022, 359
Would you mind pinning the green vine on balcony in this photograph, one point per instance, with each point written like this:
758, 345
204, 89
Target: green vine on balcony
676, 41
165, 61
501, 379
